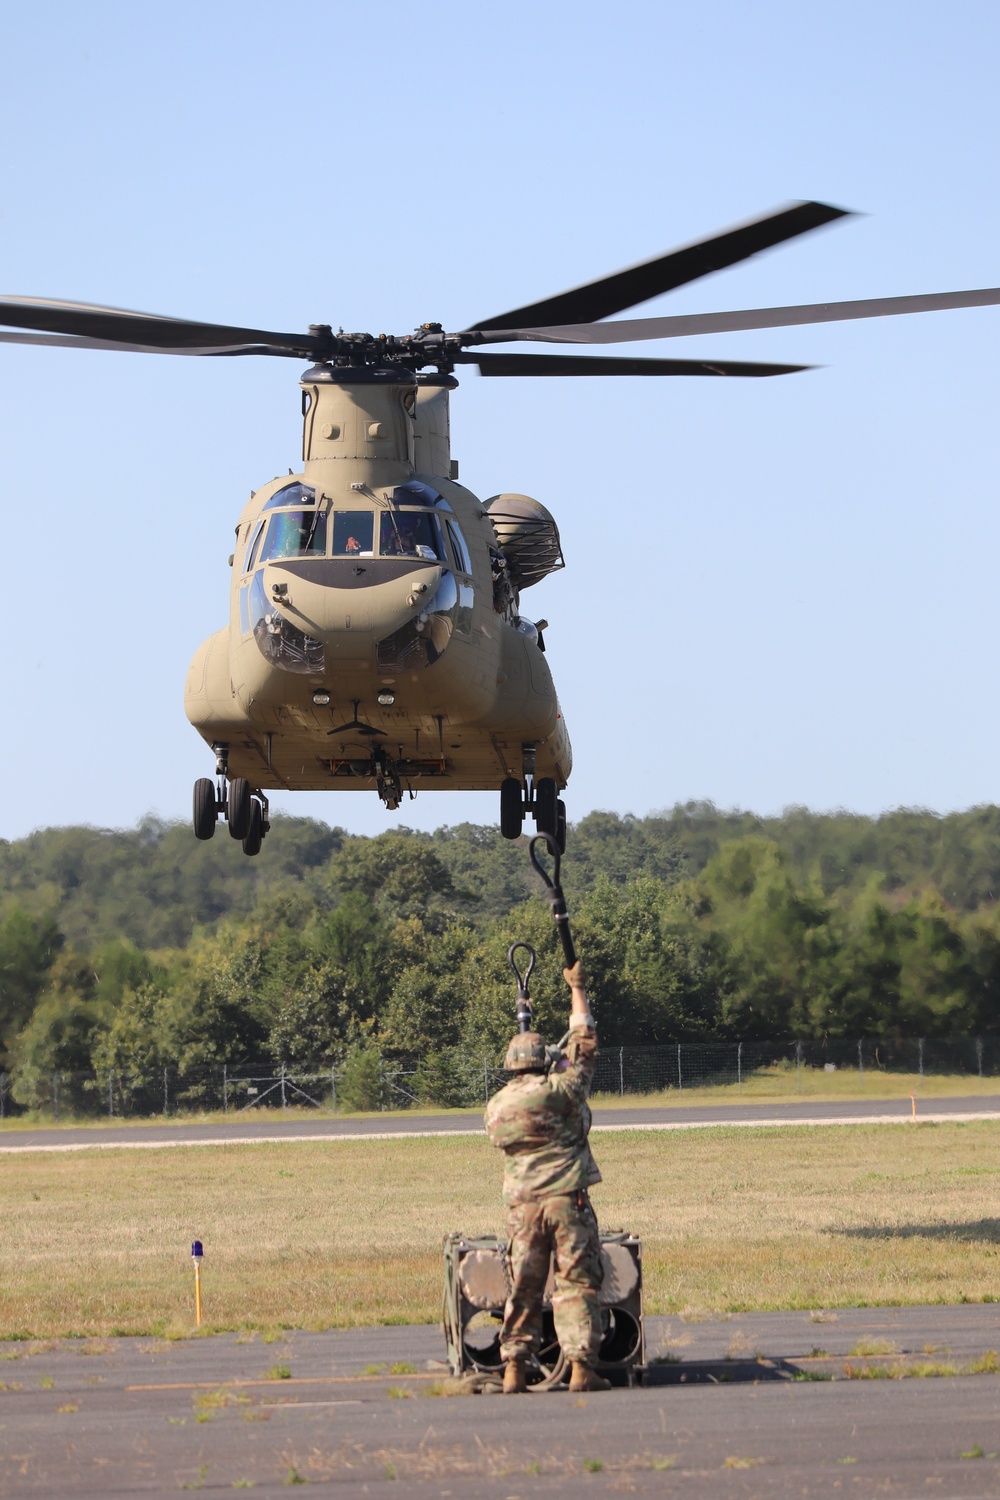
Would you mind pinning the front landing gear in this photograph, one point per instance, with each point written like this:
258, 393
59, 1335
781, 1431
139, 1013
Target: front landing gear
243, 808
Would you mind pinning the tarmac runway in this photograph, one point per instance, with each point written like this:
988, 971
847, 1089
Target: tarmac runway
769, 1405
249, 1127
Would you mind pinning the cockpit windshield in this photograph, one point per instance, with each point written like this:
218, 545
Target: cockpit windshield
409, 533
294, 533
319, 532
353, 533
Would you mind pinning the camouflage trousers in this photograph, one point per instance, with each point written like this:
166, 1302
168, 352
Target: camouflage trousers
565, 1228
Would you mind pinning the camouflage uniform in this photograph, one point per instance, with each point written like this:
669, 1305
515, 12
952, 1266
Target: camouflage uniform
541, 1122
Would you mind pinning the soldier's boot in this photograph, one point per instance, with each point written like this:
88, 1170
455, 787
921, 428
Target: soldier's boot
584, 1378
515, 1379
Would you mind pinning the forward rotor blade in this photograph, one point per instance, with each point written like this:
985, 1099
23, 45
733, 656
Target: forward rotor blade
68, 341
147, 330
575, 364
628, 330
612, 294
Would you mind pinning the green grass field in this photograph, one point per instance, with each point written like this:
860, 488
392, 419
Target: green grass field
339, 1233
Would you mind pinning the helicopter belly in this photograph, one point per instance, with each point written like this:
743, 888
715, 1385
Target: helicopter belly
475, 760
459, 724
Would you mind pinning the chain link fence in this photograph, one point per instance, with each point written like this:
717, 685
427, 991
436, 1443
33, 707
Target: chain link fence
369, 1081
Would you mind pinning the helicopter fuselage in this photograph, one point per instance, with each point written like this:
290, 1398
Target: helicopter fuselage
373, 622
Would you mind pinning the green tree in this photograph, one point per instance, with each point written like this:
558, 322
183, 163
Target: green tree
59, 1038
362, 1084
426, 1002
319, 1019
28, 948
400, 874
443, 1078
654, 975
781, 946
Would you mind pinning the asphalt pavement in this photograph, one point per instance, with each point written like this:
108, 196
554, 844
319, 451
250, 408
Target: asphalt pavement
861, 1402
251, 1126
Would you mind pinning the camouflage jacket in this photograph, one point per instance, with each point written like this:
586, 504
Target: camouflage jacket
541, 1123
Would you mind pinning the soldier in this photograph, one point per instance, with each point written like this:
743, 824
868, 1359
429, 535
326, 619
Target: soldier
541, 1121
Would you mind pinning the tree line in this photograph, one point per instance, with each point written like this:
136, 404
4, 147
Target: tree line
131, 951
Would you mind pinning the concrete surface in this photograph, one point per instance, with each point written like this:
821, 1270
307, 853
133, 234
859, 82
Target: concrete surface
754, 1405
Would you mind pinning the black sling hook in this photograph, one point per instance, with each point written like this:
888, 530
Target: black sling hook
554, 892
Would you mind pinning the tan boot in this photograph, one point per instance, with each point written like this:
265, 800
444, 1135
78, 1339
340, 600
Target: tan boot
514, 1378
584, 1378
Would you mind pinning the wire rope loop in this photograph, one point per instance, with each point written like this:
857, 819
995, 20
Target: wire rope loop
522, 979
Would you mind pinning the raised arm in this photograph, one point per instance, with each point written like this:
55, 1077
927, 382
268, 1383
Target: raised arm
579, 1009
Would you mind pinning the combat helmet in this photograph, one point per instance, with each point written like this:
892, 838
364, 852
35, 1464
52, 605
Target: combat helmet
525, 1053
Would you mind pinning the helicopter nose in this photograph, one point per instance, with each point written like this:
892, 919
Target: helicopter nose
331, 596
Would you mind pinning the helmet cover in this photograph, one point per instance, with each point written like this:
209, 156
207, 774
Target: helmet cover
526, 1051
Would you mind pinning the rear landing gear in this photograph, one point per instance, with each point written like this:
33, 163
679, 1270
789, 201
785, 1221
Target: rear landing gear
546, 805
511, 808
243, 808
238, 808
255, 832
206, 809
538, 798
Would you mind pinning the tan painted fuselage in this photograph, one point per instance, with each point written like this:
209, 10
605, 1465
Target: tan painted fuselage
353, 617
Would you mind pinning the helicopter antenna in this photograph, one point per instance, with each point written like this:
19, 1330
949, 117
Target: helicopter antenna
356, 723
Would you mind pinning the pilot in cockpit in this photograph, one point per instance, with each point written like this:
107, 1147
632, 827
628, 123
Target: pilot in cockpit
407, 534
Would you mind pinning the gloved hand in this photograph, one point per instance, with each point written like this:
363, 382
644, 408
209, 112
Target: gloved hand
576, 977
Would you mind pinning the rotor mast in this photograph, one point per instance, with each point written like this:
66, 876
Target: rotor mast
357, 425
375, 425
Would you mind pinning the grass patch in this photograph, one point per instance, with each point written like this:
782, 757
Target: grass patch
219, 1400
731, 1219
922, 1369
866, 1347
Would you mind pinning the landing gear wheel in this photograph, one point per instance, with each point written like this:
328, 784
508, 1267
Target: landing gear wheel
239, 808
561, 825
546, 806
511, 808
255, 833
205, 808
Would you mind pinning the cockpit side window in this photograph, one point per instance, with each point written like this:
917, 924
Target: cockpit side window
353, 533
252, 548
294, 533
410, 533
459, 548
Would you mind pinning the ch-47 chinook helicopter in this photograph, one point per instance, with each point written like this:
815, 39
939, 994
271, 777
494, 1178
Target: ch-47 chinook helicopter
376, 637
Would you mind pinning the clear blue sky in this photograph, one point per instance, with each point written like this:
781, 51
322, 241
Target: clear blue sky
777, 592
